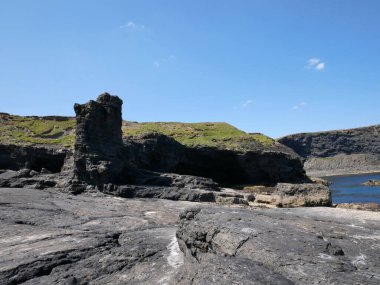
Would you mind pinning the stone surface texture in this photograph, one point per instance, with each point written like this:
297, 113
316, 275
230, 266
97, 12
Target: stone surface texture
98, 150
279, 246
50, 237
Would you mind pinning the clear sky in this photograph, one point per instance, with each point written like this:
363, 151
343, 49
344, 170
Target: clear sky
270, 66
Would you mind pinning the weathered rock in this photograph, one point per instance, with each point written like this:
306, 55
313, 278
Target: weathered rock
26, 178
279, 246
158, 152
16, 157
48, 237
297, 195
98, 151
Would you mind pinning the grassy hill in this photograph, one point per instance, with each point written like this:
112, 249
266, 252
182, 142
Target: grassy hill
221, 135
55, 130
52, 130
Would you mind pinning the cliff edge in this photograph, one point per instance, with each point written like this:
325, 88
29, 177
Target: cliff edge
339, 152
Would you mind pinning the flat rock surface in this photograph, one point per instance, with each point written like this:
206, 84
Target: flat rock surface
56, 238
280, 246
49, 237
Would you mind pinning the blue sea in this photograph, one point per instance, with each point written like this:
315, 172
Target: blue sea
349, 189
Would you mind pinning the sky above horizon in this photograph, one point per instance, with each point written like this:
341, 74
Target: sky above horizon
272, 66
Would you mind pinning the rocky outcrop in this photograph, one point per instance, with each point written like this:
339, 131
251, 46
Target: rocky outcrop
296, 195
98, 150
102, 161
161, 153
338, 152
101, 157
155, 165
50, 237
279, 246
15, 157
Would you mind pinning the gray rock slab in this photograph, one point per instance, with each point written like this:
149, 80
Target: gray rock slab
294, 246
57, 238
50, 237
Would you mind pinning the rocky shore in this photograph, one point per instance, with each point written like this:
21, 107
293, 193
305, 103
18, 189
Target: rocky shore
147, 209
49, 237
279, 246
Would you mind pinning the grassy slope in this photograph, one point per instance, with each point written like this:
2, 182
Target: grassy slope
37, 130
60, 131
221, 135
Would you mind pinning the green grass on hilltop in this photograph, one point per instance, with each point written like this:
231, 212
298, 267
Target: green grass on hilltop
221, 135
37, 130
60, 131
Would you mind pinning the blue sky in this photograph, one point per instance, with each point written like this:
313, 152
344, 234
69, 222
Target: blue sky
271, 66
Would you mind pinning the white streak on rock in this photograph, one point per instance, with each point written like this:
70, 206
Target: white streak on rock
175, 257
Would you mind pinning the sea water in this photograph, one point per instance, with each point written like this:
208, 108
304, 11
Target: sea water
350, 189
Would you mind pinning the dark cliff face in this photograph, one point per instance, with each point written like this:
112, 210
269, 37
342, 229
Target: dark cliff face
158, 152
17, 157
324, 144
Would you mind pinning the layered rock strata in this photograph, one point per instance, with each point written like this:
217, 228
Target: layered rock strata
158, 152
338, 152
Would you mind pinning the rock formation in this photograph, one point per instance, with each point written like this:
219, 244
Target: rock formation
15, 157
296, 195
153, 165
279, 246
102, 160
338, 152
158, 152
98, 151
